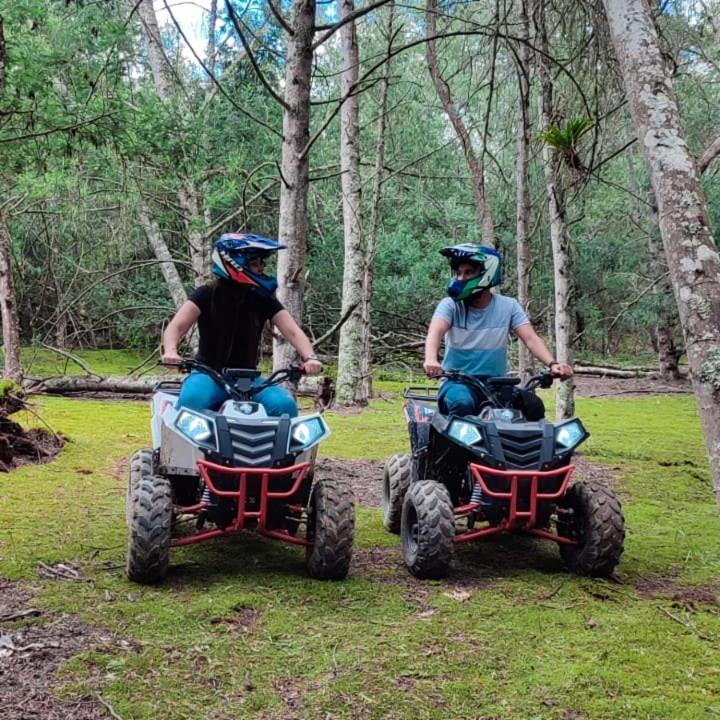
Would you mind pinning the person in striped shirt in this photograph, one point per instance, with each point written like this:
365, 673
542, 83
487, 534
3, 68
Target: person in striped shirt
475, 324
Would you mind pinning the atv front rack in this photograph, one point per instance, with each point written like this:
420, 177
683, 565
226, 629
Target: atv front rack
244, 476
522, 490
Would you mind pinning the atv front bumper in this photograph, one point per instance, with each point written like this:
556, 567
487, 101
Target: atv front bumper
251, 487
522, 491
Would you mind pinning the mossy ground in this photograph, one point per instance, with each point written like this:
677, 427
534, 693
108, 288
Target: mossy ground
238, 630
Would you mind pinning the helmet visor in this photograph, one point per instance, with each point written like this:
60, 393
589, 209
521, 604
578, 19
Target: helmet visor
463, 270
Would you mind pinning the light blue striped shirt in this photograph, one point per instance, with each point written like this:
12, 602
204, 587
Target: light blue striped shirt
476, 342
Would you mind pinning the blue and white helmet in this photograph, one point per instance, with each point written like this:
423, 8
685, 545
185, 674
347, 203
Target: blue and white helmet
231, 255
489, 265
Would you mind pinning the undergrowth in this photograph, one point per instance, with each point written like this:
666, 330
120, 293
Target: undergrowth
510, 634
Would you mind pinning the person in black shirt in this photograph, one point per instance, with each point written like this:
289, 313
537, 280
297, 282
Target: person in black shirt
231, 313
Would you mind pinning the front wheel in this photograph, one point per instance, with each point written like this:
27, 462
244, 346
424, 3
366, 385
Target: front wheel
396, 481
590, 514
141, 468
331, 527
150, 510
427, 529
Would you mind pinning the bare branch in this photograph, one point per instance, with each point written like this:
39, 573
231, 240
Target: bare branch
711, 152
217, 83
279, 17
332, 29
251, 57
45, 133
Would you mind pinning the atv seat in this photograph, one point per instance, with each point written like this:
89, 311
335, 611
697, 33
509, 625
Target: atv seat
240, 373
503, 381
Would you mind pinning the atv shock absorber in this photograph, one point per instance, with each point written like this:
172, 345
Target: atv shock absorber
202, 515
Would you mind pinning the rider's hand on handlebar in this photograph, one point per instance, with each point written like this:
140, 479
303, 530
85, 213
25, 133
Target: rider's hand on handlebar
432, 368
312, 367
170, 358
560, 370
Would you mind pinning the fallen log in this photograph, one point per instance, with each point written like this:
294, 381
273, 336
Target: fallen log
614, 372
122, 384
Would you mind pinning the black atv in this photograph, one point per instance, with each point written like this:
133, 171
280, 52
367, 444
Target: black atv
480, 475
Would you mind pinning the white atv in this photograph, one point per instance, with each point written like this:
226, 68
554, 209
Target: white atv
214, 474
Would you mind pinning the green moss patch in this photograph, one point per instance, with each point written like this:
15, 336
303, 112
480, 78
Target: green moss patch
239, 630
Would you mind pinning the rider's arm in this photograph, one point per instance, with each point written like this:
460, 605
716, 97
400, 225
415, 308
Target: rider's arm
539, 349
292, 332
436, 332
177, 329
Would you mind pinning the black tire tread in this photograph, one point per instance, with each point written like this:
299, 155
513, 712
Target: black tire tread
150, 519
333, 508
603, 529
436, 529
396, 481
140, 468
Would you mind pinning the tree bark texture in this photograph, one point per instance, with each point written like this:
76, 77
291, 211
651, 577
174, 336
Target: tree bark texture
156, 54
8, 309
563, 270
349, 386
188, 195
162, 253
522, 181
368, 270
477, 168
294, 184
691, 252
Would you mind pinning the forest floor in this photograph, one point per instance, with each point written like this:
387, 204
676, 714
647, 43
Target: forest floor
239, 630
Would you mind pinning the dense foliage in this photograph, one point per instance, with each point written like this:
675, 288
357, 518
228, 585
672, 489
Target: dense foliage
85, 141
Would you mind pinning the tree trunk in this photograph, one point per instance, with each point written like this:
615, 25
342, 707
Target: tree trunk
691, 253
368, 273
8, 309
293, 221
563, 271
188, 196
524, 254
160, 249
477, 169
349, 386
663, 334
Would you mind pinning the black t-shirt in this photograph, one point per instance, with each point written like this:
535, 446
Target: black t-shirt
231, 323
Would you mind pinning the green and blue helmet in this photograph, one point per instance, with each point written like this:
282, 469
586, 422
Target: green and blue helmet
489, 269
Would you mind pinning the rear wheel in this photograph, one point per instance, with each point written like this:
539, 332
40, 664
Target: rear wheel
427, 529
150, 518
594, 519
331, 527
396, 481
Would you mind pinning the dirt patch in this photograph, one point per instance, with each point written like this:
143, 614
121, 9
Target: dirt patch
593, 386
243, 619
654, 587
365, 477
585, 470
23, 447
33, 645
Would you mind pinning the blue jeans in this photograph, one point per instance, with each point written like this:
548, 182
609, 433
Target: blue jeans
455, 398
201, 392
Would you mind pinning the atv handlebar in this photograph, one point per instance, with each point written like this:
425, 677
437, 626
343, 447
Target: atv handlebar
231, 378
543, 380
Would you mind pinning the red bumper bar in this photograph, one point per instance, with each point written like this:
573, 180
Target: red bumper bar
517, 519
244, 475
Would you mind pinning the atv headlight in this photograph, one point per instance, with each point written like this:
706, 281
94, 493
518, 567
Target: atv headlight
195, 427
570, 435
464, 432
307, 431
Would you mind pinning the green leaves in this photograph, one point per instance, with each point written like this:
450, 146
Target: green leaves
564, 140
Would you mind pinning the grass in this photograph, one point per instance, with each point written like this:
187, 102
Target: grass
509, 635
